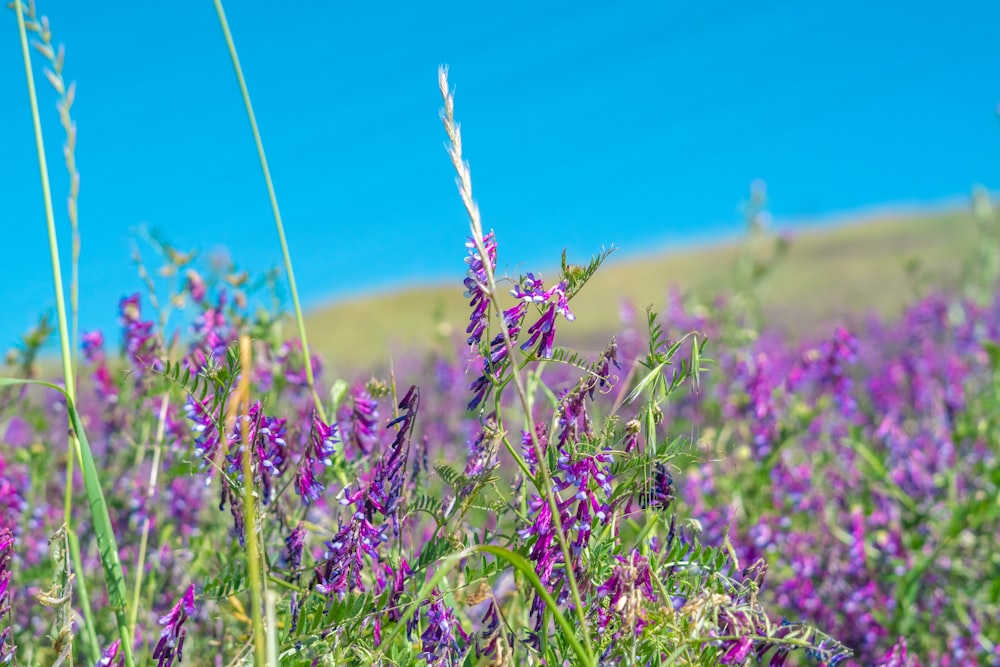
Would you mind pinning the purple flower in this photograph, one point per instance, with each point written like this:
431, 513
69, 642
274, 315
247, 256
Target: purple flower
294, 545
195, 285
171, 642
111, 656
6, 557
266, 436
363, 420
627, 589
318, 455
385, 491
542, 333
476, 285
737, 652
205, 427
93, 346
897, 657
439, 642
141, 345
340, 571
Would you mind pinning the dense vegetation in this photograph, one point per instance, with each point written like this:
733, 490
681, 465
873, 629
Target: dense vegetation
701, 492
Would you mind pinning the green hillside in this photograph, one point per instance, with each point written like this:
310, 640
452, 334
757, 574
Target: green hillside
828, 273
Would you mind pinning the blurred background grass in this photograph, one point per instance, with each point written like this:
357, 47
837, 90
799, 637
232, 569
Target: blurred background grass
830, 273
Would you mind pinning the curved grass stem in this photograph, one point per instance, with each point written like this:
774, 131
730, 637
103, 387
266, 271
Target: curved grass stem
299, 319
64, 335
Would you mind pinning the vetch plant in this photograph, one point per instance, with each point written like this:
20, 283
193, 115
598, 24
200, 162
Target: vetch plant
511, 502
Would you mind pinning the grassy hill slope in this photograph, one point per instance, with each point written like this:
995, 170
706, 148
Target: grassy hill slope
828, 273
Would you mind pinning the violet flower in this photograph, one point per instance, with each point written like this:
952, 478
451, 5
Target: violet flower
340, 571
541, 334
171, 644
628, 589
6, 557
439, 642
493, 365
317, 456
141, 345
294, 545
363, 421
112, 657
476, 285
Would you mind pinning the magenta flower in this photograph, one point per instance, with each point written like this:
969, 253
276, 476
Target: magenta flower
294, 545
439, 642
317, 456
141, 346
541, 334
627, 590
112, 657
194, 285
171, 644
476, 287
6, 557
363, 421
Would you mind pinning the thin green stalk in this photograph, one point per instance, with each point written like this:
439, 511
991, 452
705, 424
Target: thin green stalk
300, 321
543, 477
64, 336
140, 565
89, 634
250, 511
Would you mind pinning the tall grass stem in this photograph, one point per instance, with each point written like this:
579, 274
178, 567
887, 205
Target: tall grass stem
242, 406
299, 319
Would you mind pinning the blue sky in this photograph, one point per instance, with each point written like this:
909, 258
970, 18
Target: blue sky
636, 124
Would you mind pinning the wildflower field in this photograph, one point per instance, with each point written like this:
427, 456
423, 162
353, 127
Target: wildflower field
704, 491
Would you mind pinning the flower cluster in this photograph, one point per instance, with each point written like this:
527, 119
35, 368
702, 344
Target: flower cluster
477, 287
443, 643
6, 558
171, 644
142, 347
627, 590
317, 456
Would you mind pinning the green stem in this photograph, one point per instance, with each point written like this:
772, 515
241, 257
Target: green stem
90, 636
64, 336
300, 321
150, 492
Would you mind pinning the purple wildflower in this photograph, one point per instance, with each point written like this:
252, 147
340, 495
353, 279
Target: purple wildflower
294, 545
476, 287
439, 642
627, 589
363, 420
542, 333
195, 285
318, 455
112, 657
6, 557
897, 657
171, 642
141, 345
528, 445
266, 436
386, 489
493, 365
205, 427
340, 571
